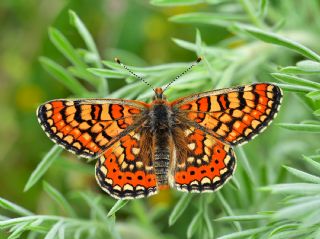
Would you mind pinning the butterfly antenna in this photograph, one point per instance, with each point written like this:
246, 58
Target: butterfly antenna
188, 69
134, 74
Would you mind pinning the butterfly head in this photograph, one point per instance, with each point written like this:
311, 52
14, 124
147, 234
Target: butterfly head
159, 94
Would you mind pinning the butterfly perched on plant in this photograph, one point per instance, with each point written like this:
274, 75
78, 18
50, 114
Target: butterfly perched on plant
143, 148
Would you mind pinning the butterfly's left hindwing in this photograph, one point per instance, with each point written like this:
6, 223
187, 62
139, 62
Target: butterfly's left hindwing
208, 165
123, 172
88, 127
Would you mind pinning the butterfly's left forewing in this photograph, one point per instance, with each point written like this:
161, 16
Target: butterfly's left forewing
88, 127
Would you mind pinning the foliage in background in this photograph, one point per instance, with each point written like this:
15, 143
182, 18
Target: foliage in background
249, 206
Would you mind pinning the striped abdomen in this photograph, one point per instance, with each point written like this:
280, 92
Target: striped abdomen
161, 158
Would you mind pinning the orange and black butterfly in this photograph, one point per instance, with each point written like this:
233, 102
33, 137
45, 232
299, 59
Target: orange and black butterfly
142, 148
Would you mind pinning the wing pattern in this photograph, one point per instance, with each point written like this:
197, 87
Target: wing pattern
123, 172
233, 115
88, 127
208, 165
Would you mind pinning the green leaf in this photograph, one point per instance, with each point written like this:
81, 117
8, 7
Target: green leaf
52, 234
116, 207
5, 204
243, 218
296, 80
148, 70
312, 163
279, 40
301, 127
228, 209
294, 70
179, 208
309, 66
314, 95
208, 224
105, 73
63, 76
317, 112
263, 8
43, 166
213, 51
171, 3
303, 175
86, 36
18, 230
294, 88
245, 233
296, 211
223, 20
59, 199
293, 188
245, 163
65, 47
194, 224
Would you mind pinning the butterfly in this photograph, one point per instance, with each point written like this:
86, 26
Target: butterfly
142, 148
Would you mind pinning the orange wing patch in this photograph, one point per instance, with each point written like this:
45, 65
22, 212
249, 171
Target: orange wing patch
88, 127
209, 163
123, 173
233, 115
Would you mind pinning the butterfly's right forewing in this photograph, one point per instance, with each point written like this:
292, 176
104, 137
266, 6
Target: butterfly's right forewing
233, 115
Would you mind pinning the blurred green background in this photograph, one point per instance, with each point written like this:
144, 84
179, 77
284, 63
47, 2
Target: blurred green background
145, 34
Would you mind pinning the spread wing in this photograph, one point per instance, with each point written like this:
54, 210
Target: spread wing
125, 170
204, 165
233, 115
88, 127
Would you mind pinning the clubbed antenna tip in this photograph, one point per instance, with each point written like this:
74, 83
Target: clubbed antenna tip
116, 59
199, 59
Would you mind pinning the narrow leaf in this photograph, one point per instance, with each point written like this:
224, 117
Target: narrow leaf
105, 73
301, 127
59, 198
296, 80
63, 76
84, 33
116, 207
312, 163
180, 207
303, 175
228, 209
314, 95
5, 204
171, 3
294, 188
295, 88
279, 40
296, 211
244, 233
309, 66
243, 218
52, 234
43, 166
65, 47
194, 224
223, 20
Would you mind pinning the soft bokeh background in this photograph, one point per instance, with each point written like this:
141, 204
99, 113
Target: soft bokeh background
141, 35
